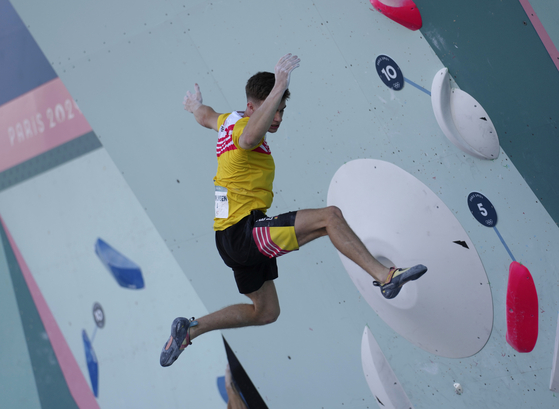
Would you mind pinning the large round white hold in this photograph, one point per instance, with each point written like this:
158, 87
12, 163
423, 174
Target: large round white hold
447, 312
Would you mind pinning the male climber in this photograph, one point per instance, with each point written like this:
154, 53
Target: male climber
249, 241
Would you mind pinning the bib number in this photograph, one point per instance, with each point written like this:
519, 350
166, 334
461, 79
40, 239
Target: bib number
221, 203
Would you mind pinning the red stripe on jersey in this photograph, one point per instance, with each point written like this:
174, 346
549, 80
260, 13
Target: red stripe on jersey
264, 148
225, 142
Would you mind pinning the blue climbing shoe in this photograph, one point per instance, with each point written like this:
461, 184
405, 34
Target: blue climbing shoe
178, 341
397, 278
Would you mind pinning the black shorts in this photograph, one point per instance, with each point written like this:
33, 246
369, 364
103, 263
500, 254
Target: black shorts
251, 247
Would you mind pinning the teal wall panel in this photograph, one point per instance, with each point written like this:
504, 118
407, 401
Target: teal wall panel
17, 378
494, 53
49, 381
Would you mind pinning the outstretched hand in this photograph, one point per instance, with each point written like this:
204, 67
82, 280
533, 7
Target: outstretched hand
284, 67
193, 101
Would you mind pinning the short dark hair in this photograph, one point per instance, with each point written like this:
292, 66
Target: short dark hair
260, 85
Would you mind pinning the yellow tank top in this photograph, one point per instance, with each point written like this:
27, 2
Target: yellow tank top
244, 178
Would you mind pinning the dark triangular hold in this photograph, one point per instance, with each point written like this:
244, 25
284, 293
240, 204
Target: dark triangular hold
462, 243
379, 401
246, 387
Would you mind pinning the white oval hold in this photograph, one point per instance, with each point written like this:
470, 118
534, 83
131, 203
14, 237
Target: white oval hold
462, 119
379, 375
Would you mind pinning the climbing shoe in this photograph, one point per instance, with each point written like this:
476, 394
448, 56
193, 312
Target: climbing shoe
398, 277
178, 341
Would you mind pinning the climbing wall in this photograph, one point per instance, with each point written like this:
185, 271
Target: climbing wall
139, 175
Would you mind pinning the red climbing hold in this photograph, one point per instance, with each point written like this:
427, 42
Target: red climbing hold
403, 12
522, 309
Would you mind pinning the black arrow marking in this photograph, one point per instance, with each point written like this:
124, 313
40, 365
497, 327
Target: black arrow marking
461, 243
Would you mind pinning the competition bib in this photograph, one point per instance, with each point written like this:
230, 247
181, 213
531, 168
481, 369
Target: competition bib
221, 203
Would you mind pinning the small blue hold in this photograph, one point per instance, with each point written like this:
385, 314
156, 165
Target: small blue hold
221, 388
127, 273
92, 364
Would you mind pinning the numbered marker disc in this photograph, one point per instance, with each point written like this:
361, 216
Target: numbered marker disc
98, 315
482, 209
389, 72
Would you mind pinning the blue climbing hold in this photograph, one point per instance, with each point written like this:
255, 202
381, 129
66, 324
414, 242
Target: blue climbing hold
221, 388
92, 364
127, 273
